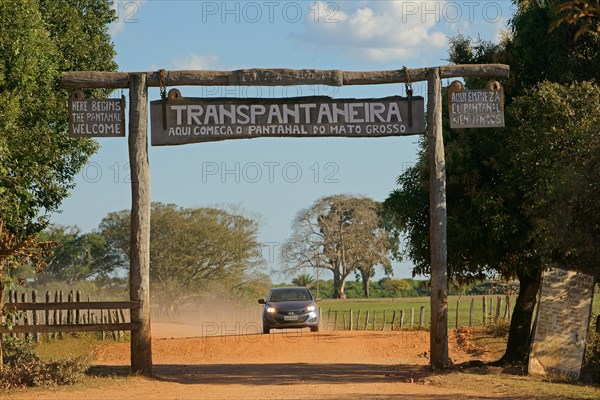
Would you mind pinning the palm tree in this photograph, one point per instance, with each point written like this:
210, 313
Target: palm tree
303, 280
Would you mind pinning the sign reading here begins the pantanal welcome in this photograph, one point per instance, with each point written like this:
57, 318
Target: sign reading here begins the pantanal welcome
191, 120
96, 117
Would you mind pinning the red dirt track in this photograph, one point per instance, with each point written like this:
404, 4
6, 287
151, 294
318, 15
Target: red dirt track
290, 365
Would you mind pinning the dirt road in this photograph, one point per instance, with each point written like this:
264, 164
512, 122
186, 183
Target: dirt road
292, 365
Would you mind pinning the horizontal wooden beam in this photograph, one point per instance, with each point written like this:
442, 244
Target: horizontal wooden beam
69, 328
277, 77
83, 305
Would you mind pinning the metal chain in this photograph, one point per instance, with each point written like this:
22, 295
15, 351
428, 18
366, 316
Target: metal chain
408, 85
162, 83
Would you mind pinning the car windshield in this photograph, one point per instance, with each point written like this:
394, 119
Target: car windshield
290, 295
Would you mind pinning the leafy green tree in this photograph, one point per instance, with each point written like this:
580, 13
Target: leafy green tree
194, 251
78, 256
499, 182
38, 160
341, 234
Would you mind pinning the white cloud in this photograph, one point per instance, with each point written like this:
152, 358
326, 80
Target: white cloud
195, 62
127, 12
378, 30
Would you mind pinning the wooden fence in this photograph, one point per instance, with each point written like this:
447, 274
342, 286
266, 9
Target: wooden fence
493, 310
65, 314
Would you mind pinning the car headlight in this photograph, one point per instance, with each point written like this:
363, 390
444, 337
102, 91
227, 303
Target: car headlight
311, 308
271, 310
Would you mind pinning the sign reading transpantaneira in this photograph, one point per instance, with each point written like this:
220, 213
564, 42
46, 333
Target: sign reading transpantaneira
480, 108
96, 117
178, 120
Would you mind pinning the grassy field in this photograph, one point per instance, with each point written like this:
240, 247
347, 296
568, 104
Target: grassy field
410, 306
378, 307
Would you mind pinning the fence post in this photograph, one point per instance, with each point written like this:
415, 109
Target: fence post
498, 308
374, 318
457, 307
384, 321
70, 312
25, 315
422, 316
471, 311
12, 299
412, 316
35, 315
393, 320
335, 322
47, 313
61, 318
343, 321
78, 311
358, 320
351, 319
402, 319
484, 306
507, 307
367, 321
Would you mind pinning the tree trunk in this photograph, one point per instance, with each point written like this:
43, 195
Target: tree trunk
520, 335
365, 277
339, 282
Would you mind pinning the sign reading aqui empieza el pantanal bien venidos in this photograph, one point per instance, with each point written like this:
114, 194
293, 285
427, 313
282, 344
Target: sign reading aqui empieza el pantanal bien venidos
189, 120
476, 108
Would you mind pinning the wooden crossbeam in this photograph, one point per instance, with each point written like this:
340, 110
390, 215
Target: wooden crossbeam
70, 328
84, 305
276, 77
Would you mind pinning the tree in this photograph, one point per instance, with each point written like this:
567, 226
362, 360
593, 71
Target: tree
38, 160
499, 180
303, 280
338, 233
193, 251
78, 256
585, 14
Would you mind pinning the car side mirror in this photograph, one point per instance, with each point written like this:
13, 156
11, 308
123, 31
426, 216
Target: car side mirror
261, 301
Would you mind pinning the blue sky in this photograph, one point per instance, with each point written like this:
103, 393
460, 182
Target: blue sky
273, 178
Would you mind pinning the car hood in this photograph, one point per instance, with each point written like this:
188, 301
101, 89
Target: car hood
291, 305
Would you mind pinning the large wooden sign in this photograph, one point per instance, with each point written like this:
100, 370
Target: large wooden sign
476, 108
96, 117
187, 120
561, 323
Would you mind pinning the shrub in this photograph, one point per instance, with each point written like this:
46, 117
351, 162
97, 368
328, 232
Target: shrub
22, 367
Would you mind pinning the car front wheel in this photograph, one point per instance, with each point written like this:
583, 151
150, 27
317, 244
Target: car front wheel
314, 328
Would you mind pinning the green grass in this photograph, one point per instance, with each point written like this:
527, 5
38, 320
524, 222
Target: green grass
411, 304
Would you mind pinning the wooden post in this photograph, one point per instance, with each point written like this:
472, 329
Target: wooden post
35, 316
70, 312
438, 341
139, 264
335, 321
47, 313
471, 311
367, 321
384, 320
422, 317
351, 319
402, 319
343, 321
78, 312
25, 314
484, 306
507, 307
358, 320
393, 320
498, 308
412, 316
457, 319
374, 319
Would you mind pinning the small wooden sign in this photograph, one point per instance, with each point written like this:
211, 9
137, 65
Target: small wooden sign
562, 323
96, 117
476, 108
189, 120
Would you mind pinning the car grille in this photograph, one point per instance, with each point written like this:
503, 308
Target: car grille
293, 312
299, 321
